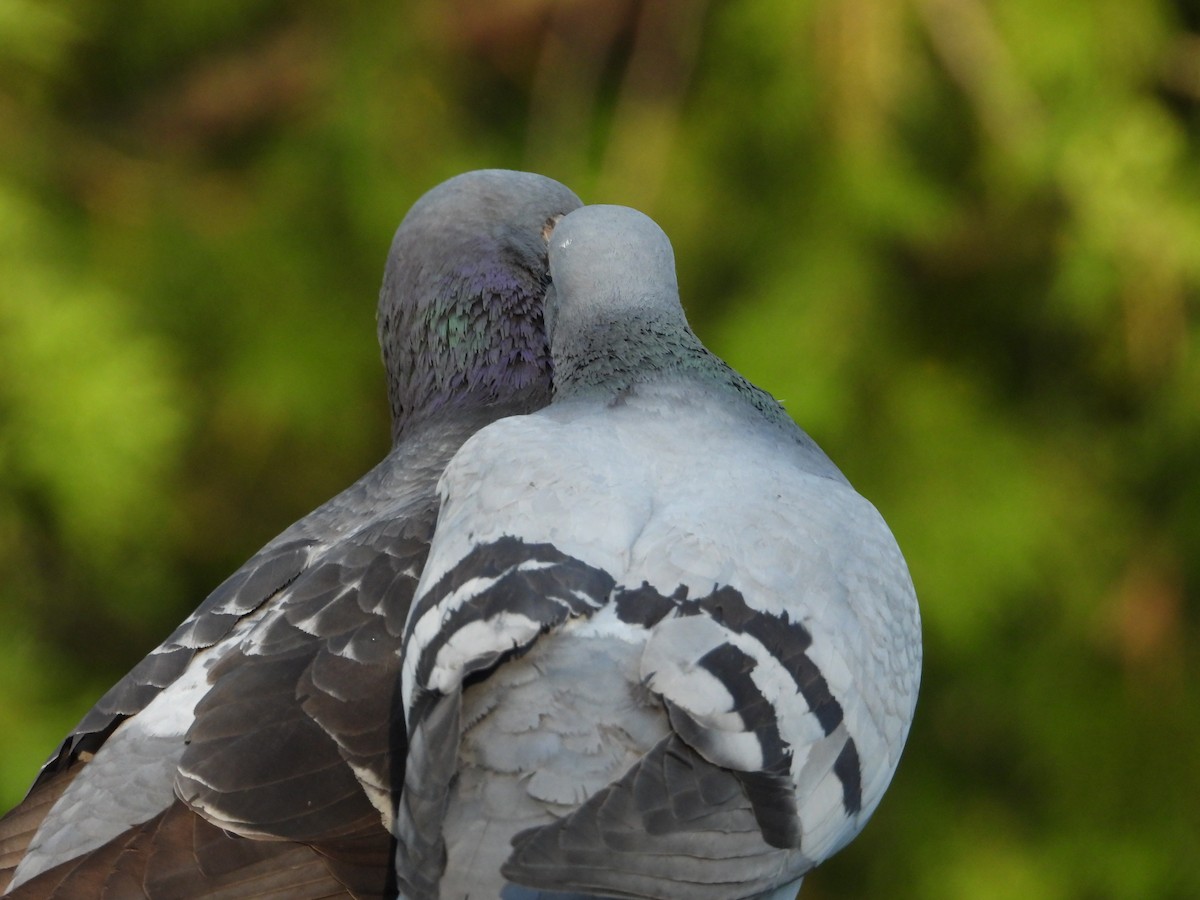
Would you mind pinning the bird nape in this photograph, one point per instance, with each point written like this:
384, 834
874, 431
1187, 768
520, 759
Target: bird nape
640, 640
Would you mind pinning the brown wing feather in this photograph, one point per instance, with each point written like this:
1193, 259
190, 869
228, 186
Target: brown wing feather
20, 824
178, 855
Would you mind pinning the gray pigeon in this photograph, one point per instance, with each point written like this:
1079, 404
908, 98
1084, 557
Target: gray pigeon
660, 647
269, 712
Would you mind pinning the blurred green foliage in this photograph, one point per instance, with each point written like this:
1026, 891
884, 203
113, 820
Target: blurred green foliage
960, 238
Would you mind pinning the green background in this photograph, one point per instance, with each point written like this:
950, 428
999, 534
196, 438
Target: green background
960, 239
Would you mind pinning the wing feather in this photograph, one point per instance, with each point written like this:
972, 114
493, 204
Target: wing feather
179, 854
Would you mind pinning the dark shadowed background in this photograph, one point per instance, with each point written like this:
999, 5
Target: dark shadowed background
959, 238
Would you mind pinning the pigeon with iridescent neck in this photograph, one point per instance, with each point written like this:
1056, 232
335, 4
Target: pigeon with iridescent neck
660, 648
254, 752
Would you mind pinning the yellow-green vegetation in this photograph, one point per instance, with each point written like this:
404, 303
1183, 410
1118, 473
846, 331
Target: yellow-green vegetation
959, 238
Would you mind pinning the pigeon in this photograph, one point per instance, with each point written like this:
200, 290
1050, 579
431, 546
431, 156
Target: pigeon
660, 647
253, 752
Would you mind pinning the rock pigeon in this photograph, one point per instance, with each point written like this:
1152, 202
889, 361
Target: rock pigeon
660, 646
269, 712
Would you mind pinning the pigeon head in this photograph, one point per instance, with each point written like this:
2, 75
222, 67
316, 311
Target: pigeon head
613, 313
460, 310
608, 261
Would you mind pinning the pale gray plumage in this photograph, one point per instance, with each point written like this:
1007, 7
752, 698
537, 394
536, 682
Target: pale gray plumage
269, 713
660, 647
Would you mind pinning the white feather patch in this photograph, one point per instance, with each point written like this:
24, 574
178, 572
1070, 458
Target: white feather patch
479, 640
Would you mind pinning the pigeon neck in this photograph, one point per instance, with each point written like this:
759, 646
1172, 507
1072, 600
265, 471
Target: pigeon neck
482, 346
610, 355
607, 358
